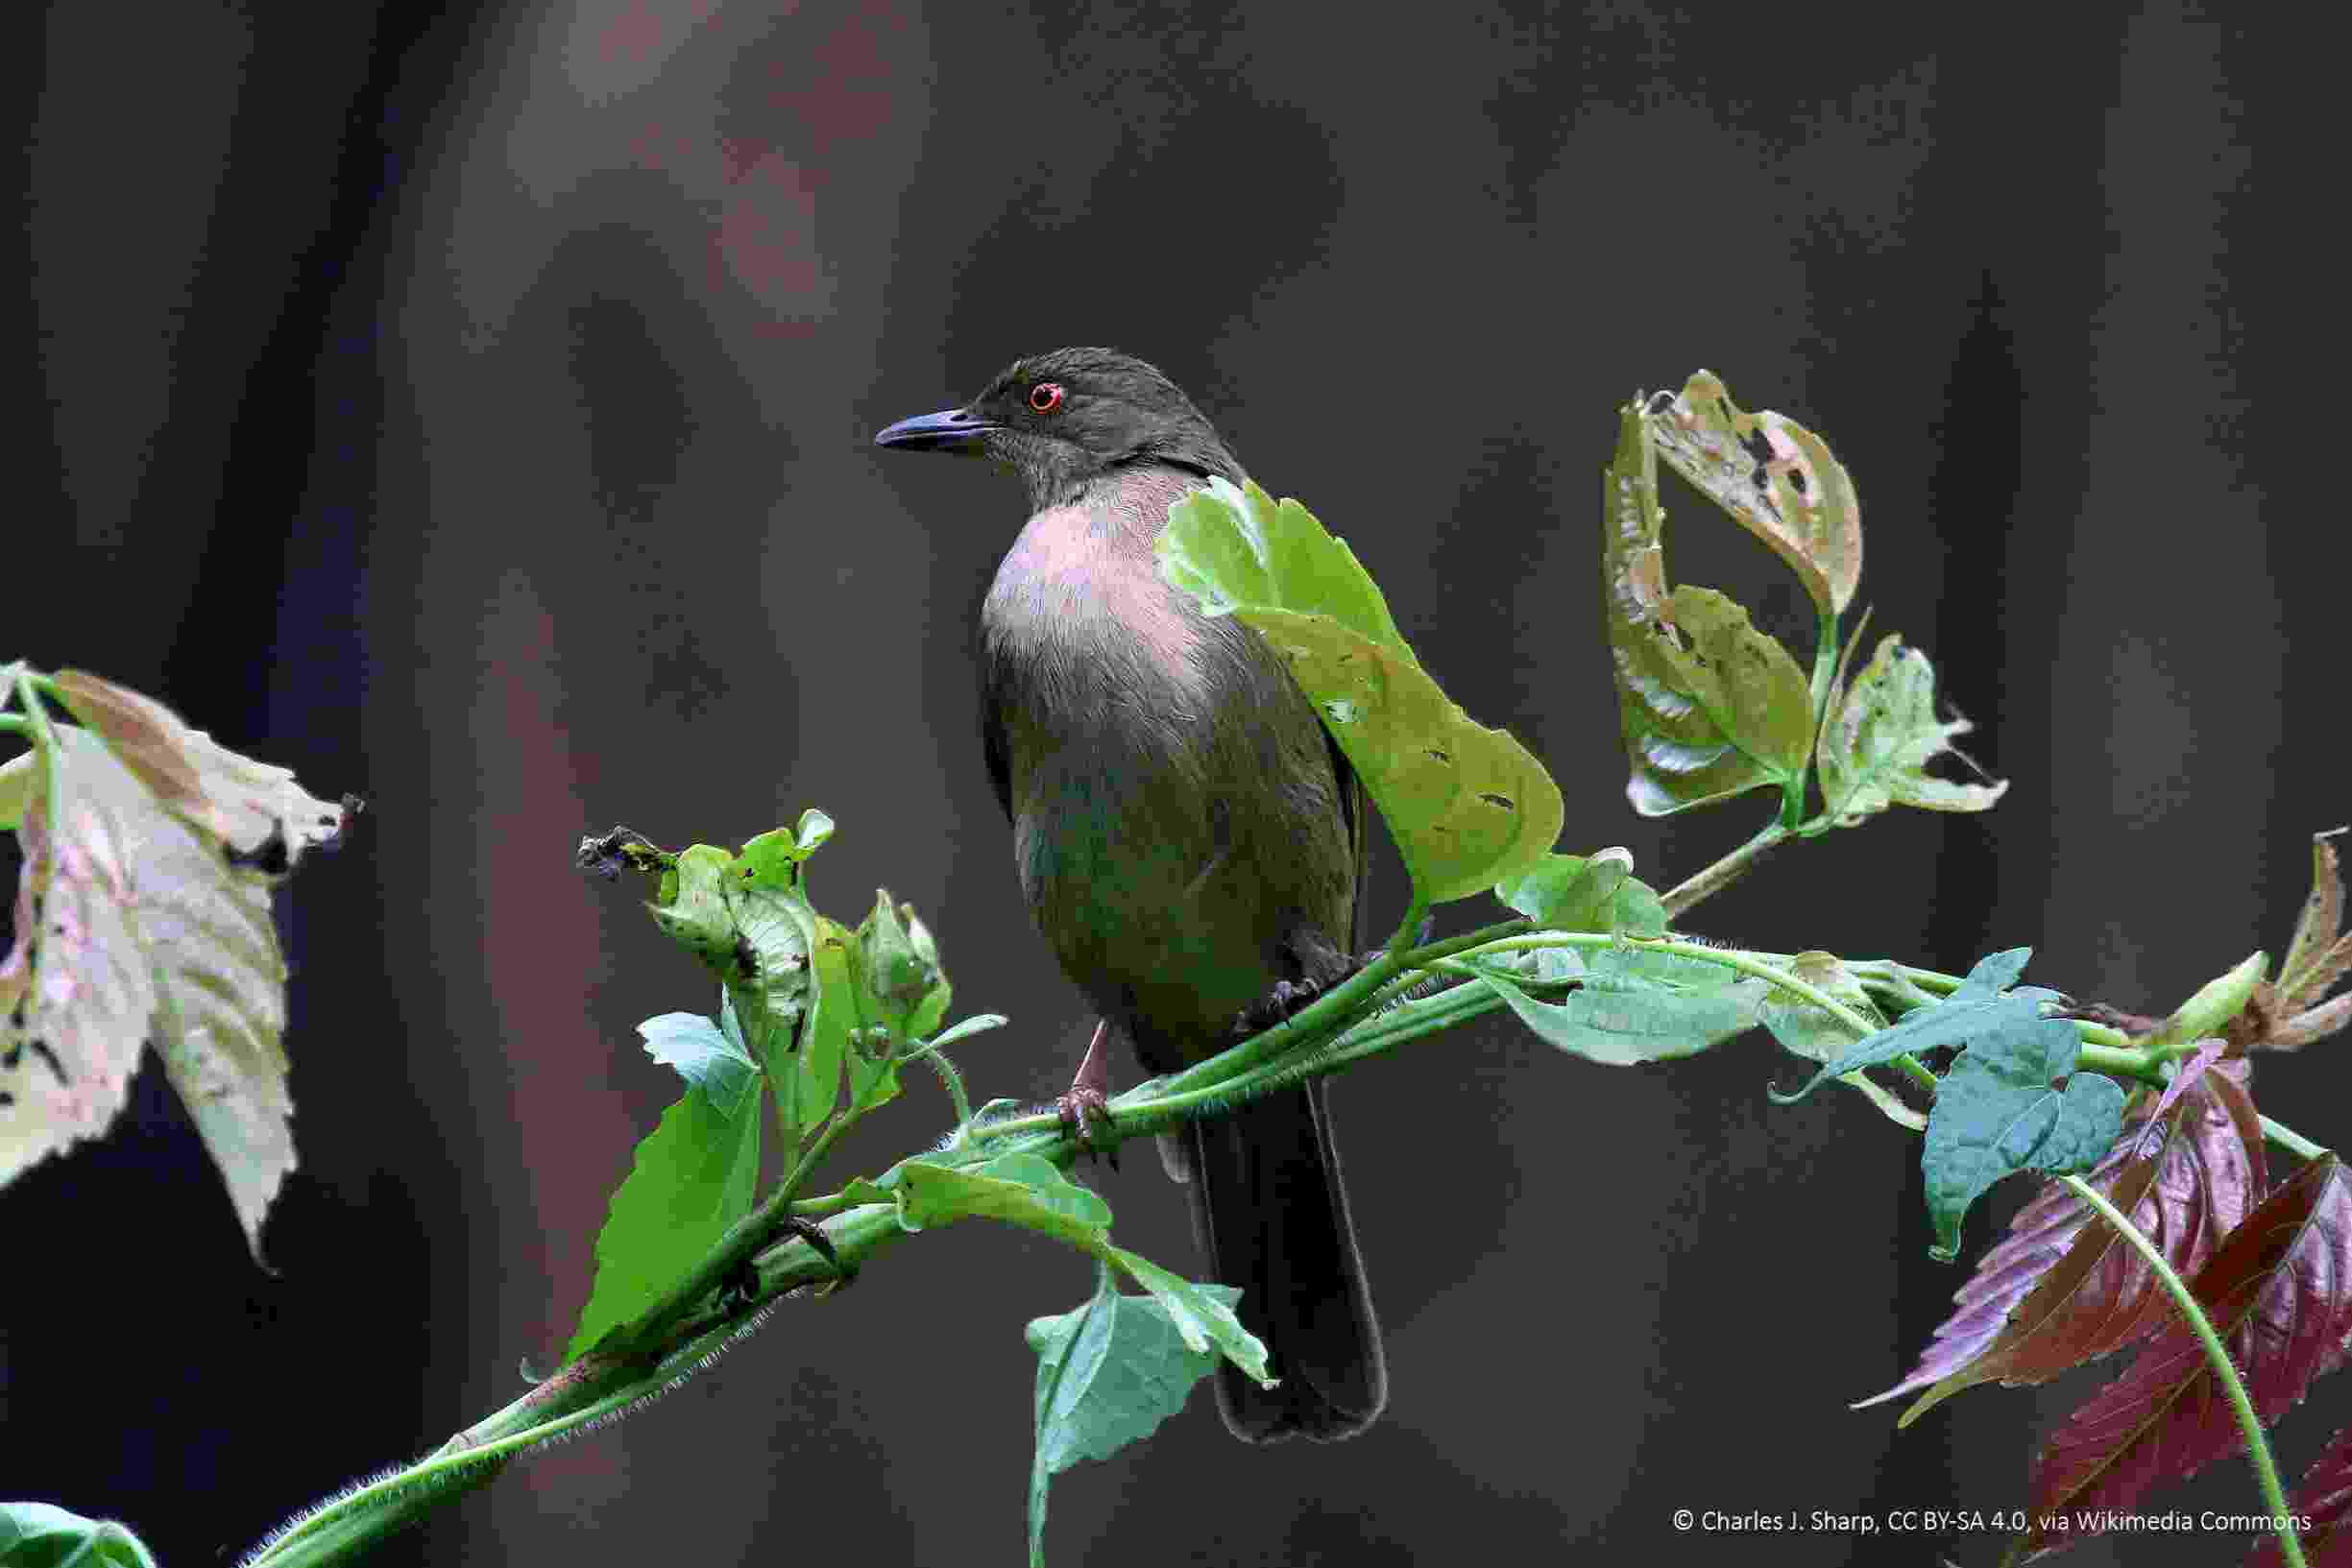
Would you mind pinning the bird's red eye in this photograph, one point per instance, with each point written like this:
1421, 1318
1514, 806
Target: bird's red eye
1045, 396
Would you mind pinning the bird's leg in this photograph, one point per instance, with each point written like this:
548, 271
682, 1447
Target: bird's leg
743, 1285
1088, 1095
1322, 966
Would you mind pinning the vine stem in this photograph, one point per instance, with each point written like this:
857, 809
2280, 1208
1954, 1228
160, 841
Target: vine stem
1711, 879
2216, 1355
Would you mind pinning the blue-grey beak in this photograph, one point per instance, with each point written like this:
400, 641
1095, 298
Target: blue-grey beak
952, 430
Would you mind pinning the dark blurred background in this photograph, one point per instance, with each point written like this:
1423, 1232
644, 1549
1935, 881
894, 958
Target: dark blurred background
471, 410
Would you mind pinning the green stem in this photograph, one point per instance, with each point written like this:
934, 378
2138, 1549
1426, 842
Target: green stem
345, 1527
2216, 1355
1715, 878
744, 1239
1744, 963
29, 689
1825, 671
2290, 1140
948, 1075
16, 724
1329, 1012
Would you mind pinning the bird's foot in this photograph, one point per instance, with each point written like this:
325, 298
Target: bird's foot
1287, 997
742, 1286
1087, 1100
1277, 1005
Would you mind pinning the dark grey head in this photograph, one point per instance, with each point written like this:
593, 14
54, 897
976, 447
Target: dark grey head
1062, 420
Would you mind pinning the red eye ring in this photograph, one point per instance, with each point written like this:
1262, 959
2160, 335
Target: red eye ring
1045, 396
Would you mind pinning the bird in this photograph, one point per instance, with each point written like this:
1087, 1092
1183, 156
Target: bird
1189, 841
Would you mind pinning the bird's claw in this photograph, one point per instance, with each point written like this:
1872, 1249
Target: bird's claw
1086, 1103
742, 1286
1277, 1006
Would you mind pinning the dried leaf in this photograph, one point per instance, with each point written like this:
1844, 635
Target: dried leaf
2317, 1024
250, 806
1878, 734
133, 923
2279, 1292
2318, 955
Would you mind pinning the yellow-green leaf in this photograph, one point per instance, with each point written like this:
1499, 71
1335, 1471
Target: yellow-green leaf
1775, 478
1467, 805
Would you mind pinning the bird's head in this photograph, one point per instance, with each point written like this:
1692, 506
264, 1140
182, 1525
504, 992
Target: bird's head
1062, 420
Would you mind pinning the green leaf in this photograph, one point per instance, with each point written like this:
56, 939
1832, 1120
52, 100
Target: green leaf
1467, 805
1775, 478
963, 1027
44, 1536
2205, 1015
748, 919
844, 1027
901, 969
1999, 1111
17, 789
1586, 892
704, 1055
694, 1176
1819, 1036
1979, 1007
1024, 1190
1620, 1015
1202, 1314
1709, 706
1878, 735
1108, 1374
694, 910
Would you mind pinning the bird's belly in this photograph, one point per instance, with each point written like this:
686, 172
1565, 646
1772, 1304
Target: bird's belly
1156, 894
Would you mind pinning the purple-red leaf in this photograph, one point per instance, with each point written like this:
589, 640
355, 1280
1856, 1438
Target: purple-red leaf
2279, 1293
2052, 1294
2321, 1504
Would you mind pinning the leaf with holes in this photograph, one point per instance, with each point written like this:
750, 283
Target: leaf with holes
2056, 1292
1467, 805
259, 811
2276, 1293
1878, 734
133, 923
1709, 706
1773, 476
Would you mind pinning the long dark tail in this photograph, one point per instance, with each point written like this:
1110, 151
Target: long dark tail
1271, 1214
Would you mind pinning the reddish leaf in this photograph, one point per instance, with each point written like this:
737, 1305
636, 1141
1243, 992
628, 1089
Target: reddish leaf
2318, 955
2279, 1292
2288, 1014
2324, 1498
2052, 1294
